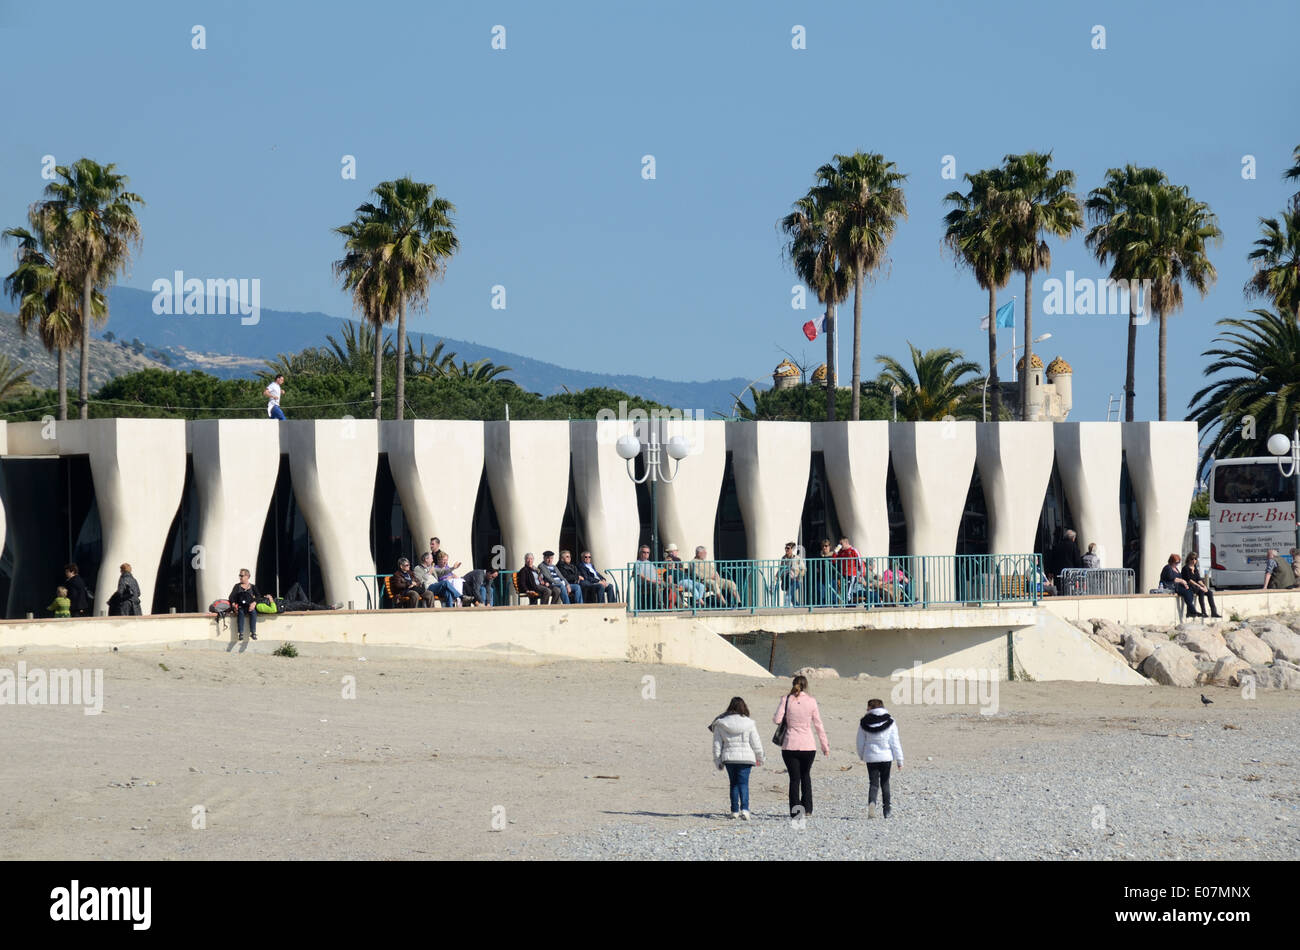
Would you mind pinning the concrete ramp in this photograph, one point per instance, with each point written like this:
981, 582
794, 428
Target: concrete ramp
1053, 649
686, 641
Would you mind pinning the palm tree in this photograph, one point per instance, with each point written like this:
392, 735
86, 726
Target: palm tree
1169, 233
862, 196
1277, 262
1035, 202
47, 299
1293, 174
482, 370
974, 234
1265, 350
430, 364
88, 216
1112, 208
362, 272
408, 235
936, 388
13, 378
815, 262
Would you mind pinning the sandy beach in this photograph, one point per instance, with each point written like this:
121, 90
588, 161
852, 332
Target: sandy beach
498, 760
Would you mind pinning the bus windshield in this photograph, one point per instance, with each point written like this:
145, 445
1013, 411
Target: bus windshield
1251, 484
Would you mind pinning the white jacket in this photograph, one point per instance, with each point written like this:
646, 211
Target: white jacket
735, 741
878, 738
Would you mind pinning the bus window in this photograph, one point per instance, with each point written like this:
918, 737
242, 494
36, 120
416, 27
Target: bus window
1251, 485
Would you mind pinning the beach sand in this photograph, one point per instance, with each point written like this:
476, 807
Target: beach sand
430, 754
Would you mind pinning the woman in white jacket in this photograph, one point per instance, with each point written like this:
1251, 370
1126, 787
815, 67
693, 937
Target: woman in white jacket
878, 746
737, 748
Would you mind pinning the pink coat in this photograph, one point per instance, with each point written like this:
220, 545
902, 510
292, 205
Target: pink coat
803, 717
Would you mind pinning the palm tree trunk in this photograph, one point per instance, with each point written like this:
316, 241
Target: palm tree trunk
401, 359
83, 393
379, 368
830, 362
1161, 358
856, 410
1130, 371
993, 383
63, 384
1028, 355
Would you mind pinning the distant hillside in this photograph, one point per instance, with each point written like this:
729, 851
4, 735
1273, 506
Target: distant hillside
107, 360
221, 345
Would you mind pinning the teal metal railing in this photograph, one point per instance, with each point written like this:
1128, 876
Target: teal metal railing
812, 583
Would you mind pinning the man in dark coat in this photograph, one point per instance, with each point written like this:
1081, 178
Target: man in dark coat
1065, 555
78, 595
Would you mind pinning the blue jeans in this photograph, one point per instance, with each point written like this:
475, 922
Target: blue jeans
595, 593
738, 776
251, 613
444, 591
277, 414
575, 592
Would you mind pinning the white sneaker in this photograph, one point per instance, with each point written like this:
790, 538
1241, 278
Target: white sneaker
733, 814
744, 814
871, 811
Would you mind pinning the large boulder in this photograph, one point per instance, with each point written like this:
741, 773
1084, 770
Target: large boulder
1109, 629
1201, 639
1136, 647
1283, 640
1227, 671
1083, 625
1276, 676
1171, 665
1249, 647
1106, 645
818, 673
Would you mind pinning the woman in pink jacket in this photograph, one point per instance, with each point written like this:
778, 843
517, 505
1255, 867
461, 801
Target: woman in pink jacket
799, 712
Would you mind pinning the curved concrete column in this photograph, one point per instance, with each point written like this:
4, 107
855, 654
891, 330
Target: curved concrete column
933, 463
1015, 465
605, 495
528, 475
688, 505
4, 450
1161, 459
138, 466
236, 463
857, 467
437, 467
1088, 457
770, 461
332, 463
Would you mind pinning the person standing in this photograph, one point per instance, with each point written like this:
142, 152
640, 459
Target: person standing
272, 392
737, 748
78, 595
243, 600
127, 597
1091, 561
60, 606
879, 747
799, 712
790, 574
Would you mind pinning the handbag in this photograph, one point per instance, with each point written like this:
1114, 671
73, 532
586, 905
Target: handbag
778, 737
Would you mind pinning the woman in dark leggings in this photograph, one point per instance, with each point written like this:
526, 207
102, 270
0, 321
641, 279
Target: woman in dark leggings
799, 712
1196, 583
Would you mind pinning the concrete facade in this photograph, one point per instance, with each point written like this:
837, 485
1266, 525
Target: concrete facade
1088, 455
437, 468
857, 468
1161, 459
770, 461
604, 493
688, 505
528, 475
1015, 464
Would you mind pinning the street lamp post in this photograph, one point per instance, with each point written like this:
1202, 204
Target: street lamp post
895, 390
984, 396
629, 447
1288, 450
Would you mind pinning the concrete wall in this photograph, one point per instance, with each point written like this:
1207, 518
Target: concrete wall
1015, 464
528, 475
333, 463
138, 466
1161, 459
1088, 457
770, 461
604, 493
236, 463
688, 505
437, 467
857, 467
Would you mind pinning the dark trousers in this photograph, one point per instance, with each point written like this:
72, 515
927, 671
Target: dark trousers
799, 765
1201, 597
251, 612
878, 773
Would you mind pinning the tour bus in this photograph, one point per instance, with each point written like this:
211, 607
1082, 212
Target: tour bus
1252, 509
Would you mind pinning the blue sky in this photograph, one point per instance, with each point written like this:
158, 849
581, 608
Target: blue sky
237, 149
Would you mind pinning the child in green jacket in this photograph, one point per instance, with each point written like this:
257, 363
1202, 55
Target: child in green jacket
61, 606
